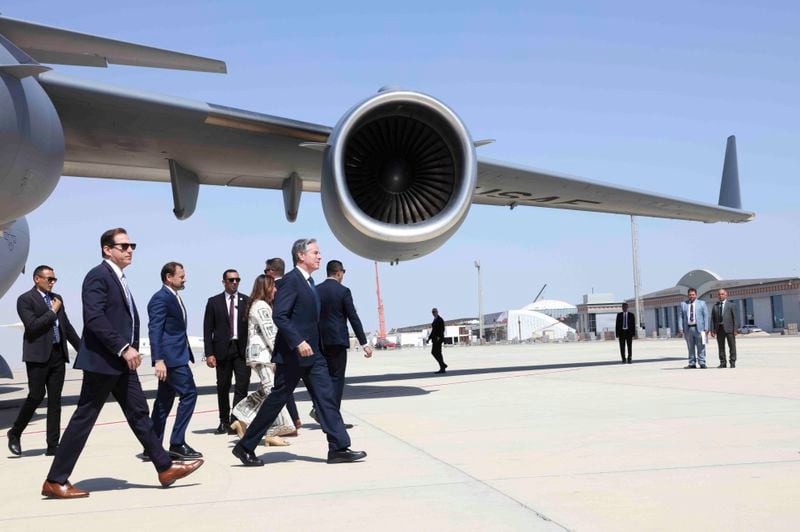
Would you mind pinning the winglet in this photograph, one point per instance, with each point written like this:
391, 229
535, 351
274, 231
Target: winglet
729, 195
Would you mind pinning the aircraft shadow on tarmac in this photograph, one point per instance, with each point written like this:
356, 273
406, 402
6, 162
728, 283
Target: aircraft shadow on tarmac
355, 388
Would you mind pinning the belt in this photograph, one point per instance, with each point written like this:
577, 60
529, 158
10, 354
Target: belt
695, 325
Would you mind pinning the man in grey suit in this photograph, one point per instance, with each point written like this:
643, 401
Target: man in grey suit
725, 326
694, 317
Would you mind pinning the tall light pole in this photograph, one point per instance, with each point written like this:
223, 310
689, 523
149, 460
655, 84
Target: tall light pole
480, 303
636, 275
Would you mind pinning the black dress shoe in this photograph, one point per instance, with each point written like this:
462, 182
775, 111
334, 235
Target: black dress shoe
702, 366
51, 450
441, 370
690, 366
630, 361
722, 366
345, 455
733, 364
348, 426
145, 456
13, 444
248, 458
223, 428
183, 452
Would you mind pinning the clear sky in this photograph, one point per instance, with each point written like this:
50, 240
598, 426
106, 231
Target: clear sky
624, 92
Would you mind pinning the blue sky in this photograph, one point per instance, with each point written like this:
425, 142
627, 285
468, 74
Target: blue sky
632, 94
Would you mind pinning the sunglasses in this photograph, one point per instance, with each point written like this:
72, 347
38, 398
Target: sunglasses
49, 279
125, 246
232, 280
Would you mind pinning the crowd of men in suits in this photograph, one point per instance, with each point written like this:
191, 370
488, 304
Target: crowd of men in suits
697, 327
311, 345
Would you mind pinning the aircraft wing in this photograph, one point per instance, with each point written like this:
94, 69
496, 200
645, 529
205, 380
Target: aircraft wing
510, 185
126, 134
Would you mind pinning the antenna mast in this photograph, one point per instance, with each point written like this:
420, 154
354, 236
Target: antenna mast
381, 320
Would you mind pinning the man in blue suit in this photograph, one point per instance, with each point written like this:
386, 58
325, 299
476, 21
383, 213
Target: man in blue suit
109, 356
298, 356
337, 308
694, 317
170, 354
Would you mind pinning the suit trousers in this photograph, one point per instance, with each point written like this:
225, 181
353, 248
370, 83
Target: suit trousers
44, 376
722, 336
436, 351
336, 357
180, 381
127, 390
232, 366
286, 378
623, 341
697, 349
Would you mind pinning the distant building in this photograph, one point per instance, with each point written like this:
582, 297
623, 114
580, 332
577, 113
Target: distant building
771, 304
597, 315
552, 307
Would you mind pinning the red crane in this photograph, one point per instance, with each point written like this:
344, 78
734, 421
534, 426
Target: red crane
381, 320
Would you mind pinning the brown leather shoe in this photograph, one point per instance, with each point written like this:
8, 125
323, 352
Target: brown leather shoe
54, 490
177, 471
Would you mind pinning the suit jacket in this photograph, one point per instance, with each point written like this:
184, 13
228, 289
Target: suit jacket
217, 331
295, 313
701, 315
726, 318
437, 329
38, 319
107, 323
336, 309
167, 330
631, 325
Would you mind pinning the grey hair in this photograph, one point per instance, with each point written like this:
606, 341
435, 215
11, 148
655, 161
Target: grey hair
301, 246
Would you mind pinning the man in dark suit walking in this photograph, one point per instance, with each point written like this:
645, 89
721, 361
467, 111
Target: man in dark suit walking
298, 355
626, 330
336, 309
109, 356
170, 354
225, 339
437, 338
44, 351
725, 326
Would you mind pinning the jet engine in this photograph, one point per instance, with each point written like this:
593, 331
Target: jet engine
398, 176
31, 137
15, 242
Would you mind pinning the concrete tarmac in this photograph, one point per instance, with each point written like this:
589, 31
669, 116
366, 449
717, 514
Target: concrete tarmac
534, 437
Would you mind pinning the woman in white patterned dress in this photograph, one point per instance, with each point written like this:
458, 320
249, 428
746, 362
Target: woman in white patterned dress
261, 333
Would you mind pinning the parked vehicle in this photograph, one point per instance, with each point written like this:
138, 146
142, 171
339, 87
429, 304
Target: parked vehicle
747, 329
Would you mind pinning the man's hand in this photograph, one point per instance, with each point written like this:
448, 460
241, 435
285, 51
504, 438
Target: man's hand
161, 370
367, 351
211, 361
133, 358
713, 334
56, 304
304, 349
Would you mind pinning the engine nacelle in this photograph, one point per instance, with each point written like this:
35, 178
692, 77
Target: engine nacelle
398, 176
31, 142
15, 242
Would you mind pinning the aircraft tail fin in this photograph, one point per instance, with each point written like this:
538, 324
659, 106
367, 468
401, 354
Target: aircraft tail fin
47, 44
729, 195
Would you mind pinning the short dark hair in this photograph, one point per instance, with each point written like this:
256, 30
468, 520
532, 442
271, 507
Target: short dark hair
689, 291
39, 269
226, 272
169, 269
107, 238
624, 305
334, 266
277, 265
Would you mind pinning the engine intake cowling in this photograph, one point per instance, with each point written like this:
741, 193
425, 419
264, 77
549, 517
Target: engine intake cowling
398, 176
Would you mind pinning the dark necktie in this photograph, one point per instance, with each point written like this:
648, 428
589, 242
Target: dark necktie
625, 320
231, 323
314, 291
691, 312
56, 334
